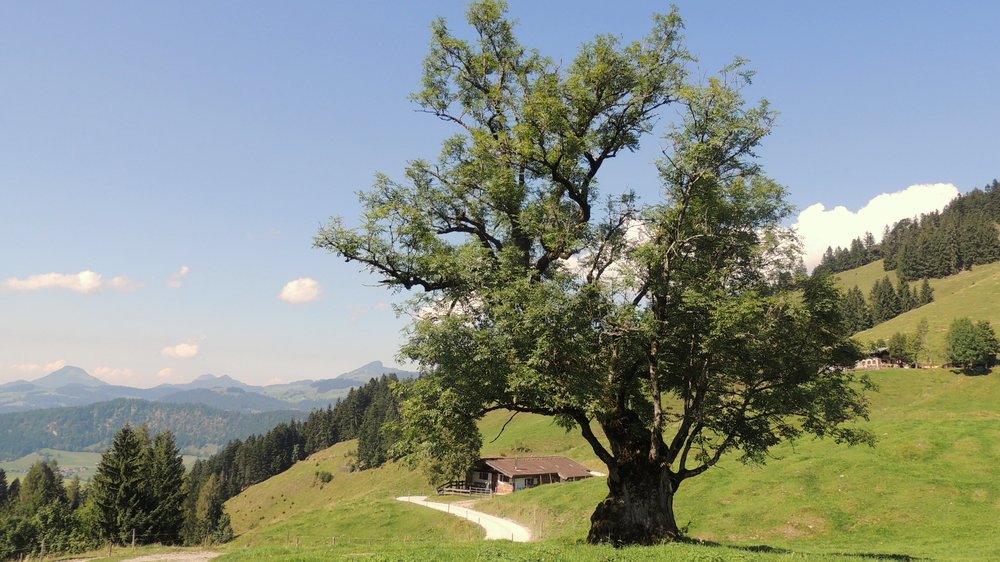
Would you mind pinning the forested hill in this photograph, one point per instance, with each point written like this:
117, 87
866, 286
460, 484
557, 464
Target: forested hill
934, 245
198, 428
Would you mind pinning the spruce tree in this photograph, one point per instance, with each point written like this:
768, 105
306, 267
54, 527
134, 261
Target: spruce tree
166, 489
42, 485
907, 301
120, 487
926, 293
3, 487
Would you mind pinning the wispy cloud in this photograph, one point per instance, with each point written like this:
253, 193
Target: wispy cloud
43, 368
177, 279
184, 350
819, 228
165, 373
84, 282
116, 375
300, 290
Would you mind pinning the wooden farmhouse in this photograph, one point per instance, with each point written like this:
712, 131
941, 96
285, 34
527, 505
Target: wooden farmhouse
506, 475
877, 359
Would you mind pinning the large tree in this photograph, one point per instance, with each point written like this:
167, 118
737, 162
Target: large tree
972, 347
676, 328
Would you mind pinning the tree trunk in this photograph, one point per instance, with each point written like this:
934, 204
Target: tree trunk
639, 508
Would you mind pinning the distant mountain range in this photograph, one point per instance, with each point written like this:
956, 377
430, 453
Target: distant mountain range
199, 429
72, 386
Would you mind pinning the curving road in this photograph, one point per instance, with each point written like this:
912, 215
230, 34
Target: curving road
497, 528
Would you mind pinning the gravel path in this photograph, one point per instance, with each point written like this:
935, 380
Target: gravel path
497, 528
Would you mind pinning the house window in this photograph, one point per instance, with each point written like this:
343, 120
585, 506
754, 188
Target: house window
528, 482
484, 476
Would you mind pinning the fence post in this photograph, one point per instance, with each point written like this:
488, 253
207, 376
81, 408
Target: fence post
41, 556
133, 540
110, 545
333, 540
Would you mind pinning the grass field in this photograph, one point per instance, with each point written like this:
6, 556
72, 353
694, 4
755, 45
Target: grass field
82, 464
974, 293
928, 490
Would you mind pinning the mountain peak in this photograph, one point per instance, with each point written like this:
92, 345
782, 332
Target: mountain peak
216, 380
372, 370
66, 376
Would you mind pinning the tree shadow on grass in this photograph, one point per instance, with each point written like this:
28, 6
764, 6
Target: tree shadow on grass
763, 548
978, 371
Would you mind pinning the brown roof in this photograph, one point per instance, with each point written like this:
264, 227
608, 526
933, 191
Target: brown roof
530, 466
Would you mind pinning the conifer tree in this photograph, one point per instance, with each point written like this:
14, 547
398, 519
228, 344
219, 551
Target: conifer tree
120, 488
3, 487
907, 301
42, 485
166, 489
926, 293
856, 311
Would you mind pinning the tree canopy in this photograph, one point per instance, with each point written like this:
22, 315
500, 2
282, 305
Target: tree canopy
677, 328
972, 347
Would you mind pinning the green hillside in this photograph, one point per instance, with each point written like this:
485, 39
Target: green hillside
974, 293
927, 490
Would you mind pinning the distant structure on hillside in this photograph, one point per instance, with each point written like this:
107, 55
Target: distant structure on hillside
506, 475
876, 359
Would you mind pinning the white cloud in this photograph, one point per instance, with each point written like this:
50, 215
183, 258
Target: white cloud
165, 373
819, 228
114, 374
300, 290
382, 305
177, 278
184, 350
84, 282
39, 367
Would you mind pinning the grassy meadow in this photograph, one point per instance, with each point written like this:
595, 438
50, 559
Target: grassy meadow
927, 490
974, 293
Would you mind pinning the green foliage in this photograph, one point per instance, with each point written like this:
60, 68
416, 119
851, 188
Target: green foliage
898, 348
165, 472
856, 312
42, 485
535, 299
972, 347
862, 251
18, 537
119, 488
138, 488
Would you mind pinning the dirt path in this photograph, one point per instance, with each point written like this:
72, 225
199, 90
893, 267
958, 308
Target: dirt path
497, 528
198, 556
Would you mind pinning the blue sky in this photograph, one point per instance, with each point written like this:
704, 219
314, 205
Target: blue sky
140, 138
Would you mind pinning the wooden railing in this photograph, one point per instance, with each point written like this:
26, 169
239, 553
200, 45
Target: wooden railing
463, 488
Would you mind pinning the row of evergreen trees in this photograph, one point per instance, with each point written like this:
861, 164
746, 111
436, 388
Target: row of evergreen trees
140, 489
137, 492
885, 302
935, 245
862, 251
